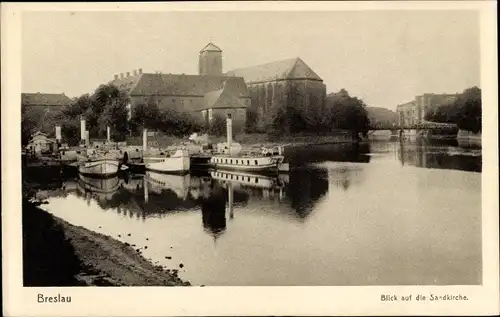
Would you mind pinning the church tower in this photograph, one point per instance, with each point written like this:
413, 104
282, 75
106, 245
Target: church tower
210, 60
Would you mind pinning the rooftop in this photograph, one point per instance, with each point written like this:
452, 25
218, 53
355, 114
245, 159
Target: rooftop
293, 68
41, 99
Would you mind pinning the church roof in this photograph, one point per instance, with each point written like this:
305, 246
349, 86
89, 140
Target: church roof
39, 99
211, 47
179, 84
293, 68
223, 98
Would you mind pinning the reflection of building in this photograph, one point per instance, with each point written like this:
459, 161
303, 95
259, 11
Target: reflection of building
420, 154
306, 187
414, 112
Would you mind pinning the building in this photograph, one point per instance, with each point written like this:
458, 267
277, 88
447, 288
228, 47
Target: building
40, 143
258, 89
287, 82
414, 112
204, 95
53, 102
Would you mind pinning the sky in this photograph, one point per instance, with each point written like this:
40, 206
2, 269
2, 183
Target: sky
383, 57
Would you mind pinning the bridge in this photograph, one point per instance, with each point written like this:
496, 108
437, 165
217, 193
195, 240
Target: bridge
426, 125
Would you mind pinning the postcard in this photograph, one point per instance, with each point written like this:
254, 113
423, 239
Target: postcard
250, 158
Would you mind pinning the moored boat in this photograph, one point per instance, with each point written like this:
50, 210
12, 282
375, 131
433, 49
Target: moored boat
268, 161
98, 164
248, 163
177, 163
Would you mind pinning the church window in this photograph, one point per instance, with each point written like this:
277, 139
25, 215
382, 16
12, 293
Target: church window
210, 115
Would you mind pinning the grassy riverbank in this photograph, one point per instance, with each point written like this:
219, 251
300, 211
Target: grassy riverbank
256, 139
56, 253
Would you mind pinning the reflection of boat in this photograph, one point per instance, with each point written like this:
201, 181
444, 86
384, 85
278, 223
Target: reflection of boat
177, 163
246, 179
99, 185
179, 184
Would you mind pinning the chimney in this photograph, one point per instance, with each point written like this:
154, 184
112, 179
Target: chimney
116, 77
140, 70
128, 74
121, 75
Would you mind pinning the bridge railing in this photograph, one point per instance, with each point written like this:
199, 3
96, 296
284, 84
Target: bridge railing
421, 126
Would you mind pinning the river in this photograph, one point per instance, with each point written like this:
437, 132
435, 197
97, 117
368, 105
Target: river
380, 213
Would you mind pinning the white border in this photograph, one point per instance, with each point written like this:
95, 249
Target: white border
155, 301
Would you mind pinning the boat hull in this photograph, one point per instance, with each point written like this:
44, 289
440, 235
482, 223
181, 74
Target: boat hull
101, 168
179, 163
261, 164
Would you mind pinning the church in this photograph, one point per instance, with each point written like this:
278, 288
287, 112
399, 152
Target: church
259, 90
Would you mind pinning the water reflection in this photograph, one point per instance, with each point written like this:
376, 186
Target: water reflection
342, 216
213, 210
443, 155
303, 156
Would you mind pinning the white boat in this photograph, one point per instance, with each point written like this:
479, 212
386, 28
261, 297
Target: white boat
177, 163
249, 163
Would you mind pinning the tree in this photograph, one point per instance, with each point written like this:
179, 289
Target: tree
470, 113
78, 107
28, 125
115, 115
347, 112
217, 126
106, 96
145, 116
465, 111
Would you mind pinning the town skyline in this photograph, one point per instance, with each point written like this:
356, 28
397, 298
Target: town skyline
385, 58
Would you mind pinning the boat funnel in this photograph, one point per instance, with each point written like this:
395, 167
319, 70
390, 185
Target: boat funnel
87, 138
83, 128
58, 132
229, 126
144, 140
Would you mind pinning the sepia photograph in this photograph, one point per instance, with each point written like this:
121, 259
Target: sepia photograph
235, 148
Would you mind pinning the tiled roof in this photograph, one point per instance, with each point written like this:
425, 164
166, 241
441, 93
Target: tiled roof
179, 84
223, 98
39, 99
293, 68
211, 47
